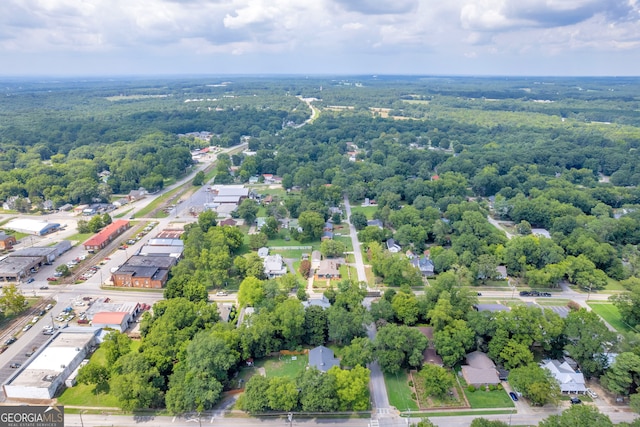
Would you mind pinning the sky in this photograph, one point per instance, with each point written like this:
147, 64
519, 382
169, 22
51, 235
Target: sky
319, 37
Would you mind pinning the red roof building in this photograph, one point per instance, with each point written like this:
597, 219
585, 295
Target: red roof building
118, 320
106, 235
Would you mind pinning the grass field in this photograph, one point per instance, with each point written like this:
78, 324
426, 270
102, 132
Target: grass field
610, 314
399, 392
367, 210
488, 399
284, 366
80, 237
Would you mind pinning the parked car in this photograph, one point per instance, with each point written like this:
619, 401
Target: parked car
52, 279
11, 341
592, 393
513, 396
221, 294
575, 401
26, 327
44, 287
31, 280
15, 365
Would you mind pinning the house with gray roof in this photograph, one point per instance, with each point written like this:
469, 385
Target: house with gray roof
480, 370
322, 358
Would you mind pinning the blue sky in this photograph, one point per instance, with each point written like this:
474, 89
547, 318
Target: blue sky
468, 37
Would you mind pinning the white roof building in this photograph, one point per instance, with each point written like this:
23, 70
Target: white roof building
230, 190
45, 373
569, 380
274, 266
32, 226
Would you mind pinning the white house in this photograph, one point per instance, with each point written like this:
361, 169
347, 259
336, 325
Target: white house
569, 380
274, 266
393, 247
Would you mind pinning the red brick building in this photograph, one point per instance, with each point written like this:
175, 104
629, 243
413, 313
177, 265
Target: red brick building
106, 235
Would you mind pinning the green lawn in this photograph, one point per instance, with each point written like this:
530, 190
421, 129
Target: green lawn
80, 237
84, 395
614, 285
284, 366
367, 210
348, 243
488, 399
399, 392
610, 314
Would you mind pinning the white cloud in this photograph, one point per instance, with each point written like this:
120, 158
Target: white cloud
275, 33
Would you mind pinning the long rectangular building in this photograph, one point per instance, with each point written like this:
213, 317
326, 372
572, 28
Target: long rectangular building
106, 235
46, 372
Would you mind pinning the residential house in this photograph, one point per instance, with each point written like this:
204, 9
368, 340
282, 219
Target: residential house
260, 222
501, 272
263, 252
328, 226
569, 380
429, 355
329, 268
321, 302
424, 264
274, 266
480, 371
375, 223
392, 246
267, 200
322, 358
138, 194
120, 202
326, 235
229, 222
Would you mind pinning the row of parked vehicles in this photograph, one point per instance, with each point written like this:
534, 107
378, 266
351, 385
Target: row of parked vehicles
534, 294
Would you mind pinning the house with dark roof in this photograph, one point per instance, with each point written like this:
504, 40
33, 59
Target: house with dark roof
143, 272
375, 223
429, 355
322, 358
392, 246
424, 264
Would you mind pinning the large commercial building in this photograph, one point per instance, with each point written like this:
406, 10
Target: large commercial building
23, 262
143, 272
32, 226
48, 369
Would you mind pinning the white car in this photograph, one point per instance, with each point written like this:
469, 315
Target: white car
592, 394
